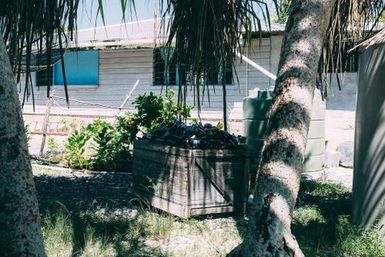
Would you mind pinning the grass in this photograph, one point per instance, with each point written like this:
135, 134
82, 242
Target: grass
108, 232
321, 223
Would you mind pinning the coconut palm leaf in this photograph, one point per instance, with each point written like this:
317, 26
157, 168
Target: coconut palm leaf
32, 29
206, 34
37, 32
351, 23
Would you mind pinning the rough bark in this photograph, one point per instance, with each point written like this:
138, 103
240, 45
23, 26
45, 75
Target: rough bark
19, 215
277, 187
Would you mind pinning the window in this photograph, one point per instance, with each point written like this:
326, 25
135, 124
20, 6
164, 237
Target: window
81, 68
214, 77
164, 74
44, 77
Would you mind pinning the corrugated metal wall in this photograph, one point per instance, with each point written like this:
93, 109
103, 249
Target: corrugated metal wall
369, 157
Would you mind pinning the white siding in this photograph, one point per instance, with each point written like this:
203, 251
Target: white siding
119, 70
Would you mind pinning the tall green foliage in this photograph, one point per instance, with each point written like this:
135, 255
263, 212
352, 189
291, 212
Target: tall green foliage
103, 146
153, 111
100, 145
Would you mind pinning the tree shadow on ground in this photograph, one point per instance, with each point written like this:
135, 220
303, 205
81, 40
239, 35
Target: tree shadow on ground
100, 208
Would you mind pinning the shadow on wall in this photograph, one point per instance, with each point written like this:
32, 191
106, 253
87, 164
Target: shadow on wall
369, 165
346, 98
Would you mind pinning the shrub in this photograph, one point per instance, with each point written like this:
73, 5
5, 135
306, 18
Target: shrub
154, 111
99, 145
315, 219
304, 216
75, 148
333, 199
102, 146
113, 145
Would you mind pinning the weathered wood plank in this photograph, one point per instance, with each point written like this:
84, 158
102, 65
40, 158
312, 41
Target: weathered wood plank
212, 176
189, 182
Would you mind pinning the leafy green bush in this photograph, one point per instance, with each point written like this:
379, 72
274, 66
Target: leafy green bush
325, 191
102, 146
55, 154
99, 145
113, 145
307, 215
75, 148
154, 111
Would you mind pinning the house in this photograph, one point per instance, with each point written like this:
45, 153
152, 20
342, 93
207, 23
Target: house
107, 61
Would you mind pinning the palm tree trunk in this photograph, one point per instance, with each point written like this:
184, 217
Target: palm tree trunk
19, 214
277, 187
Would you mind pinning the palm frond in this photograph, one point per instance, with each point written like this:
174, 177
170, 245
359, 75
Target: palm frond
37, 32
32, 29
351, 23
206, 34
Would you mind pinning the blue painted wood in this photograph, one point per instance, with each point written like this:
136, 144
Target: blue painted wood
81, 67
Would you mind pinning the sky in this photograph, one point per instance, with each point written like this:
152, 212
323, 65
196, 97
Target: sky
113, 13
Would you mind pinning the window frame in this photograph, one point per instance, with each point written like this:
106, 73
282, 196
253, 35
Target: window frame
74, 85
156, 81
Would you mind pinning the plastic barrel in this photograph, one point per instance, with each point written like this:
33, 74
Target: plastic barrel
315, 147
255, 117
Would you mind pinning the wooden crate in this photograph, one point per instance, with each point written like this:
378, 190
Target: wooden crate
190, 182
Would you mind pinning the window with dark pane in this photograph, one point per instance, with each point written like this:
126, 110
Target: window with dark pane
44, 77
229, 74
212, 76
164, 73
158, 68
169, 74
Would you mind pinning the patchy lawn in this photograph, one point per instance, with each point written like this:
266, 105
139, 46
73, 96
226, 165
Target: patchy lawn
96, 214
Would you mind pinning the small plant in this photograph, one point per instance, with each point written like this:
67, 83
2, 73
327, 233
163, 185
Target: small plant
76, 124
97, 246
75, 148
64, 125
157, 225
27, 132
103, 146
58, 233
154, 111
55, 155
100, 145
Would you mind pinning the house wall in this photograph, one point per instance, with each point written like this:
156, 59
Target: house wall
119, 70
